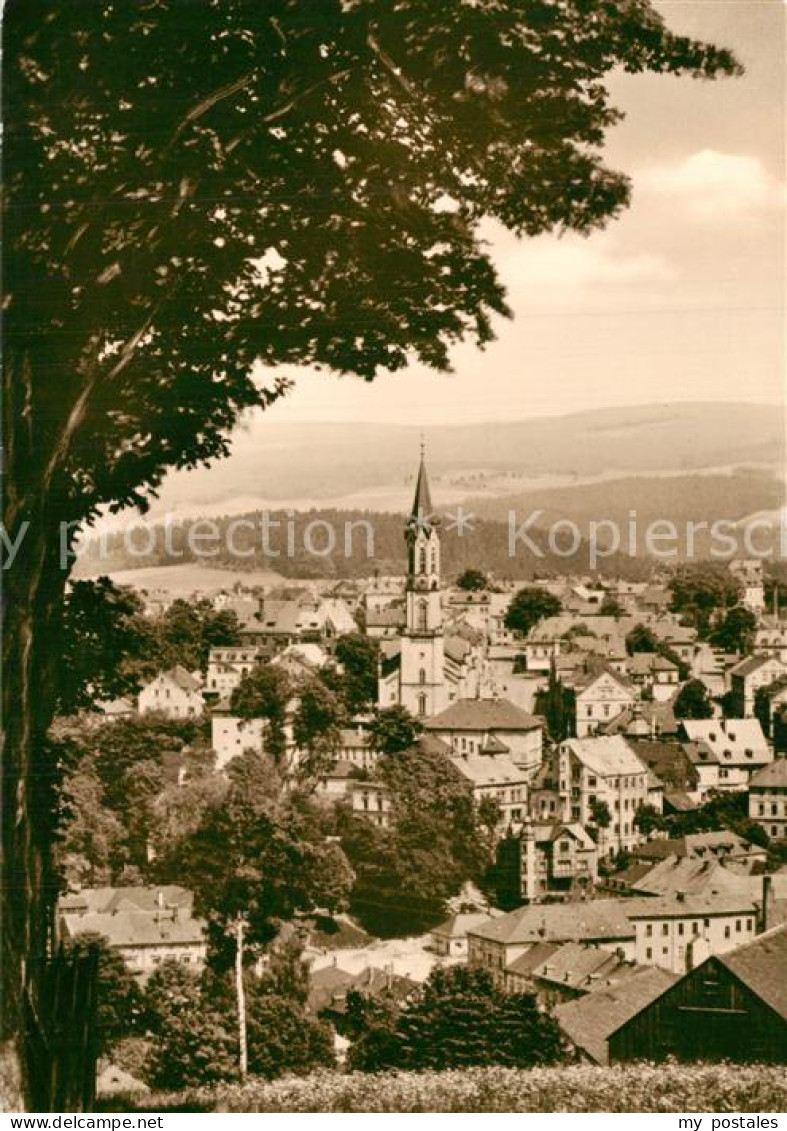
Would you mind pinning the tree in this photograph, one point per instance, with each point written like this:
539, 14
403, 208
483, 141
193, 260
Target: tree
162, 234
90, 845
600, 814
647, 819
693, 701
103, 636
472, 581
359, 656
316, 727
405, 873
528, 607
702, 589
611, 607
557, 705
393, 729
120, 1001
735, 633
458, 1019
187, 630
643, 639
263, 693
283, 1038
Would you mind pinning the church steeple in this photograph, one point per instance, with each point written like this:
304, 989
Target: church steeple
421, 516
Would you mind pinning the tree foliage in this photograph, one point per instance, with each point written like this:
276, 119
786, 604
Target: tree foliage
701, 590
120, 1000
458, 1019
693, 701
528, 607
264, 692
393, 730
735, 633
472, 581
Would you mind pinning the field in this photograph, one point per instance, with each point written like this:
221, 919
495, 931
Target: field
634, 1088
181, 580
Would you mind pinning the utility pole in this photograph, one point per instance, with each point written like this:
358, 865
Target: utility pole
243, 1052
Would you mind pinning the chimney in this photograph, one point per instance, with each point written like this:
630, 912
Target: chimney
680, 896
767, 884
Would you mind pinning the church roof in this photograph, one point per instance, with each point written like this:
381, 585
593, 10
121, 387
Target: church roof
422, 500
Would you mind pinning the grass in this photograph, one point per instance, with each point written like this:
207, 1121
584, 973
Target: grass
625, 1088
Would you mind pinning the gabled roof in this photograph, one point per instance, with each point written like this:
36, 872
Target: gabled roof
181, 678
762, 965
591, 1019
561, 922
702, 903
457, 926
130, 928
773, 775
533, 957
753, 663
585, 683
481, 770
482, 715
606, 755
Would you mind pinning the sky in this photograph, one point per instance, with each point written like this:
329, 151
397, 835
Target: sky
682, 299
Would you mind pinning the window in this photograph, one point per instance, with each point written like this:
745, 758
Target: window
649, 952
423, 616
738, 926
681, 928
665, 928
422, 676
649, 930
421, 704
727, 931
422, 561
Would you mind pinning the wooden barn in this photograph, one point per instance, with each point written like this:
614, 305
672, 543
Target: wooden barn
731, 1007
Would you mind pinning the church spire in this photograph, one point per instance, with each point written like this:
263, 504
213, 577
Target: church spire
421, 513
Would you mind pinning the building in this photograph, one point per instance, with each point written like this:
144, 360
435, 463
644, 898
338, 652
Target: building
490, 727
231, 735
752, 673
549, 857
601, 698
768, 798
176, 693
751, 577
574, 970
146, 926
732, 1007
678, 931
497, 943
426, 668
770, 639
355, 747
589, 1022
372, 800
449, 940
556, 636
725, 752
654, 674
585, 775
496, 776
227, 667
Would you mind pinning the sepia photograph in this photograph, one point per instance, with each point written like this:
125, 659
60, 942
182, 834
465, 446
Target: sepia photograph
394, 561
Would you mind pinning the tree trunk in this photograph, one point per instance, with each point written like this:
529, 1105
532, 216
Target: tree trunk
33, 587
243, 1053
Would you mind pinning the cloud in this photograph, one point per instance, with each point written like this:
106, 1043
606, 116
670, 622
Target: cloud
571, 262
715, 185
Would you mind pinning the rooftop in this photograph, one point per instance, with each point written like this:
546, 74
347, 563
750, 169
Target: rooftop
483, 715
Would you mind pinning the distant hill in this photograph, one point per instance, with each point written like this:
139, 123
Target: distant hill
353, 465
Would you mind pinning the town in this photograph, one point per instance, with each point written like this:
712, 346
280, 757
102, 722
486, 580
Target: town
574, 789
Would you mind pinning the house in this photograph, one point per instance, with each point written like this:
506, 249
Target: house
678, 931
668, 761
770, 639
731, 1007
490, 727
146, 926
372, 800
381, 624
227, 667
768, 798
679, 638
449, 940
750, 575
752, 673
775, 695
725, 752
658, 719
176, 693
582, 775
575, 970
355, 746
653, 673
496, 943
600, 698
722, 845
589, 1022
495, 775
231, 735
556, 636
548, 857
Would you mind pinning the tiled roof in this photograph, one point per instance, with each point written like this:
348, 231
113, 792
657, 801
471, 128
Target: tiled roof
534, 956
773, 775
485, 770
457, 926
594, 919
606, 755
184, 679
591, 1019
128, 928
703, 903
482, 715
761, 965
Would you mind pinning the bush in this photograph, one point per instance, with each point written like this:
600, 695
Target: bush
625, 1088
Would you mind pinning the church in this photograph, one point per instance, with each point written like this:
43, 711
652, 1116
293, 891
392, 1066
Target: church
426, 668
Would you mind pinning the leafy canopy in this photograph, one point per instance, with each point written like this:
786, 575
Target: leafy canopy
191, 191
